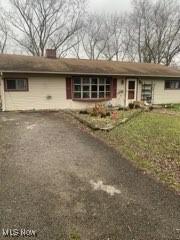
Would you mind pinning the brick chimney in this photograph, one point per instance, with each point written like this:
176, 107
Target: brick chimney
51, 53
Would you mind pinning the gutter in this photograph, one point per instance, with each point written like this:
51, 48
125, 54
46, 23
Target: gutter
91, 74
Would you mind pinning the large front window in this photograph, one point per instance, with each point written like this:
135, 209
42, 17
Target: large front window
91, 88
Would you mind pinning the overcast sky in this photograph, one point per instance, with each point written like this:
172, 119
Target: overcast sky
100, 5
109, 5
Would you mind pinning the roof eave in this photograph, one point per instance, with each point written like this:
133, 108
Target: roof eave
92, 74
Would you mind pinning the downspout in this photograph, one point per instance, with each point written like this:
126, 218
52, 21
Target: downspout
2, 93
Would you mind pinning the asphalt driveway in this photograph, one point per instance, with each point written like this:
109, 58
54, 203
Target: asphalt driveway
58, 180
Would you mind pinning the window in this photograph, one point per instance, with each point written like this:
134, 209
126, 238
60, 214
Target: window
172, 84
91, 88
16, 84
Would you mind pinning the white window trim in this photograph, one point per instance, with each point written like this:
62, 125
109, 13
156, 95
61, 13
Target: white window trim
90, 89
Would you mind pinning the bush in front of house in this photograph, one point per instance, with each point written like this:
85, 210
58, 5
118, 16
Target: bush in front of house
83, 112
100, 110
131, 105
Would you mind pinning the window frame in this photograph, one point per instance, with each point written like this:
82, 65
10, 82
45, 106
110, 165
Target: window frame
90, 85
131, 89
16, 90
171, 88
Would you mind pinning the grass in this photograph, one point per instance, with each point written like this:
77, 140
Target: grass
74, 236
152, 141
173, 107
176, 107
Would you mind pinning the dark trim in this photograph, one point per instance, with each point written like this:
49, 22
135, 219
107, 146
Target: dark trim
114, 87
169, 89
68, 88
91, 99
14, 90
91, 74
14, 74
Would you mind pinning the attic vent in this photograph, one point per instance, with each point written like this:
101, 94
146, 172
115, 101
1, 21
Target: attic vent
51, 53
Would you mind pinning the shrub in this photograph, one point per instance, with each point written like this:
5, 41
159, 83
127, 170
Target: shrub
83, 112
100, 110
131, 105
151, 108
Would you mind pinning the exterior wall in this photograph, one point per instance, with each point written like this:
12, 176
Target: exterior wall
161, 95
42, 87
1, 94
139, 90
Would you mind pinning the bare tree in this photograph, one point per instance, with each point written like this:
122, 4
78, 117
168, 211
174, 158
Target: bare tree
156, 30
70, 46
150, 33
116, 33
136, 25
105, 37
168, 37
4, 31
93, 37
77, 48
41, 24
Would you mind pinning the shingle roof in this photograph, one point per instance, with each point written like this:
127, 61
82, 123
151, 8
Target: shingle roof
20, 63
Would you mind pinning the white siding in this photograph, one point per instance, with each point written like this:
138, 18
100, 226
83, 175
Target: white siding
36, 97
1, 94
40, 88
139, 89
161, 95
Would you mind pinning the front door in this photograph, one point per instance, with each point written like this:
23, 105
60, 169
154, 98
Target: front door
131, 90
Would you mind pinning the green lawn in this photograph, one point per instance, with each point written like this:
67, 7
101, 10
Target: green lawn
152, 141
176, 107
173, 107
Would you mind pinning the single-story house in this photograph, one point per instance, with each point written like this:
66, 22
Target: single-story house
37, 83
